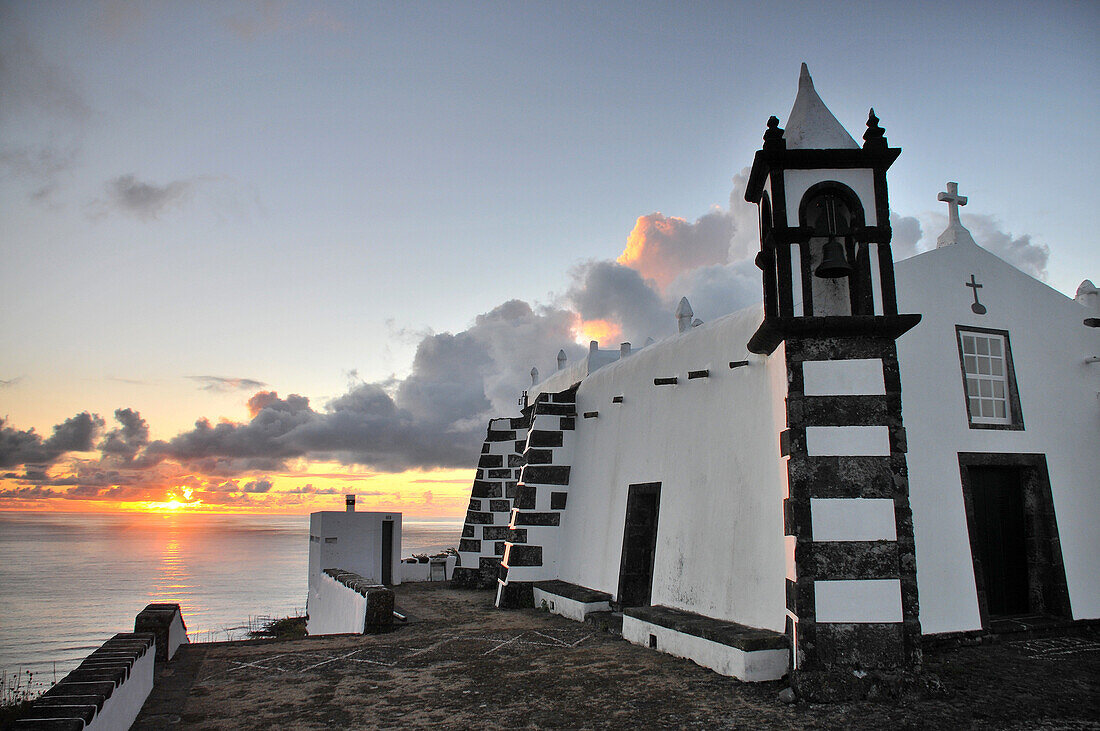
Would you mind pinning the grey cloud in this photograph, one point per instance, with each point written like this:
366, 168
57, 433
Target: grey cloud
1020, 251
906, 234
125, 442
8, 383
718, 290
19, 447
222, 384
257, 486
29, 493
146, 200
606, 290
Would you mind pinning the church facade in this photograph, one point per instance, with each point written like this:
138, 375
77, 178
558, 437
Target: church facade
876, 453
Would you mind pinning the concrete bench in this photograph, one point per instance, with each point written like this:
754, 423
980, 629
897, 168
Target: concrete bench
570, 600
728, 648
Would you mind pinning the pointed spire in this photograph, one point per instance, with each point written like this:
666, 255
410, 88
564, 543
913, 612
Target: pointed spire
955, 233
684, 315
561, 359
534, 375
811, 125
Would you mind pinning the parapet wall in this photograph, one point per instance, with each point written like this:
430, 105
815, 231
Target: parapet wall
343, 602
107, 690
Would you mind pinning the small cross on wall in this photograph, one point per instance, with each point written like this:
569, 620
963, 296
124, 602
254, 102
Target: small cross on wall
977, 308
953, 201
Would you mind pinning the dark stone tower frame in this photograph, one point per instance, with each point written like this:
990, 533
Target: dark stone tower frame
858, 477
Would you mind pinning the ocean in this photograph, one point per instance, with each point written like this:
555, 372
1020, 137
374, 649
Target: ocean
68, 581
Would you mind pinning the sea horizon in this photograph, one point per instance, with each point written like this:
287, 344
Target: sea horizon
70, 580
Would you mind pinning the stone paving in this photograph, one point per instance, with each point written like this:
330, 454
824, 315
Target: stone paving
460, 664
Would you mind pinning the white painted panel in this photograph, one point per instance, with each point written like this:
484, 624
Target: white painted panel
876, 278
860, 376
121, 709
851, 441
859, 601
860, 180
796, 279
853, 519
789, 543
761, 665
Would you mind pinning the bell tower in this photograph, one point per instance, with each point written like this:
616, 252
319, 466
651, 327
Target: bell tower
829, 301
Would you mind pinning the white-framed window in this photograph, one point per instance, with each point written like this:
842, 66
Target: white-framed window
989, 388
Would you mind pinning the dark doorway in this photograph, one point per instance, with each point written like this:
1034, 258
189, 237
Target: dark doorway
1013, 537
387, 552
639, 544
998, 497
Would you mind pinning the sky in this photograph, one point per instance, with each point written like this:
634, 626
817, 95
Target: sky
254, 256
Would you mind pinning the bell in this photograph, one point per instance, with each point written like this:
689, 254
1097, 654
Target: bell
833, 262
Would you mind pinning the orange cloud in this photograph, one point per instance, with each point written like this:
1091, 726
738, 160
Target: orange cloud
604, 331
663, 247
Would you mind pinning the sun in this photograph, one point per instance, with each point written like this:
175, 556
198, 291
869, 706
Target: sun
173, 503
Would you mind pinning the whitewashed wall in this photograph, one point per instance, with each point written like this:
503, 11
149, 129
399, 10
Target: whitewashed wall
358, 545
334, 609
713, 444
1061, 413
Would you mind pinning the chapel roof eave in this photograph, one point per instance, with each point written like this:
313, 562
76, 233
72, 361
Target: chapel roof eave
767, 160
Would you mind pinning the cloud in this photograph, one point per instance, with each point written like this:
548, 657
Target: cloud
907, 234
124, 443
220, 384
258, 486
1020, 251
76, 434
145, 200
8, 383
611, 292
29, 493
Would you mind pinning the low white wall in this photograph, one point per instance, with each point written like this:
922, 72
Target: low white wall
334, 609
422, 571
755, 666
122, 708
177, 635
568, 608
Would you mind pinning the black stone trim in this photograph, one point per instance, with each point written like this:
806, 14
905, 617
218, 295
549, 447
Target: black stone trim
731, 634
1048, 591
475, 505
482, 489
491, 460
775, 330
503, 473
525, 497
785, 443
467, 545
516, 594
616, 399
545, 475
539, 456
848, 477
567, 423
558, 500
524, 555
500, 506
591, 414
522, 518
575, 592
479, 518
500, 436
738, 363
698, 374
669, 381
467, 531
878, 645
836, 560
541, 438
555, 409
516, 460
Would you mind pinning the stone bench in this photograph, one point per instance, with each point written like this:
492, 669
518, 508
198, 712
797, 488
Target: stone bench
570, 600
728, 648
106, 691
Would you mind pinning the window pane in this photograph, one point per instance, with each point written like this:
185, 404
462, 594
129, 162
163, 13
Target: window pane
971, 387
995, 346
983, 346
995, 366
968, 343
983, 366
999, 389
971, 364
1000, 409
986, 388
987, 408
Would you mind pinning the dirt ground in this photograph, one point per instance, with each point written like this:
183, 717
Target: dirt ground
460, 664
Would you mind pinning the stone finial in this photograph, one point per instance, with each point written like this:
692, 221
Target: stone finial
955, 233
1088, 295
624, 350
562, 357
696, 322
773, 135
875, 136
534, 375
684, 315
593, 346
648, 342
